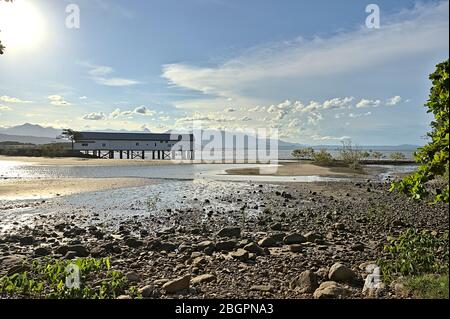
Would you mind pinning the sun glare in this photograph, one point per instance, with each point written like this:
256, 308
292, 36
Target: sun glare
21, 25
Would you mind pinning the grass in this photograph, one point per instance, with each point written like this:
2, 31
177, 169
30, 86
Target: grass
428, 286
52, 279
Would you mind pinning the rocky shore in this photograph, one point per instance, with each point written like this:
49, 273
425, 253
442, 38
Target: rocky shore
229, 240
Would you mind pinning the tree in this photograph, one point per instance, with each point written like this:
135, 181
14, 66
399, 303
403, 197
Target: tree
433, 157
70, 135
2, 47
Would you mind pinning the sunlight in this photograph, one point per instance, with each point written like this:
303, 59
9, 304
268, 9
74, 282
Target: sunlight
21, 25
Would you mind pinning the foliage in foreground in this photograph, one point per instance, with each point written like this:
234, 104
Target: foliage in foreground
433, 157
46, 278
428, 286
415, 253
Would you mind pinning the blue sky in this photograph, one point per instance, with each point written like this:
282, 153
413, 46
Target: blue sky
310, 69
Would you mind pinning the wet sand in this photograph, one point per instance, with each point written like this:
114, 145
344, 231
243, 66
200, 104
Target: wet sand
11, 189
306, 169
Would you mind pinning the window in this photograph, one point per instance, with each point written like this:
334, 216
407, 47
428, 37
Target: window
103, 144
85, 144
137, 144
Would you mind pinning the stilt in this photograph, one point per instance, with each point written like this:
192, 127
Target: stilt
159, 155
128, 154
121, 154
143, 154
153, 154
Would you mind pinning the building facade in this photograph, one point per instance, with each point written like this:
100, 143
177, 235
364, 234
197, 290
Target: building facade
135, 145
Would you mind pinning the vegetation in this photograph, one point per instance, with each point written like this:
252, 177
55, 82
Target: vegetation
428, 286
47, 279
351, 155
415, 253
303, 153
70, 135
46, 150
323, 157
433, 157
397, 156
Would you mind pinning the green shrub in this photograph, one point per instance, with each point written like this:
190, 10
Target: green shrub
415, 253
397, 156
303, 153
351, 155
46, 278
323, 157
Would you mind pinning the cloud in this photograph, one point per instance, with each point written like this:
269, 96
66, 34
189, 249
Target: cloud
57, 100
143, 110
103, 75
230, 110
338, 103
368, 103
94, 116
83, 97
245, 119
394, 100
5, 108
413, 33
329, 138
9, 99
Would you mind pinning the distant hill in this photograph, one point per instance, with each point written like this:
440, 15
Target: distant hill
27, 139
28, 129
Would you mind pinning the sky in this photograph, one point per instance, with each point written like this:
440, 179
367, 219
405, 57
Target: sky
311, 70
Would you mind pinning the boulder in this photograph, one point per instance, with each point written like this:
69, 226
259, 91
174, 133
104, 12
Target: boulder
240, 254
174, 286
341, 273
42, 251
294, 239
229, 232
226, 245
203, 278
132, 276
254, 248
331, 290
306, 282
80, 250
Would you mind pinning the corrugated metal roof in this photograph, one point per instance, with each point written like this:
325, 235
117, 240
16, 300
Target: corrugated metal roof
82, 136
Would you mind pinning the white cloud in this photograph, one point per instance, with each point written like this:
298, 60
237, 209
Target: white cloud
95, 116
143, 110
338, 103
368, 103
57, 100
394, 100
230, 110
83, 97
329, 138
9, 99
5, 108
103, 76
415, 32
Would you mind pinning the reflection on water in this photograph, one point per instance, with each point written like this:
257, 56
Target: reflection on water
11, 169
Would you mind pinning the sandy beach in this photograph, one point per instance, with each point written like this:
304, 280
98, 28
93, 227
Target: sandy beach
46, 188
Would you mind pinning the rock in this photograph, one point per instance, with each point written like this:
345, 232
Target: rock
42, 251
357, 247
133, 242
254, 248
240, 254
79, 250
203, 278
312, 236
177, 285
341, 273
133, 276
149, 291
331, 290
339, 226
124, 297
62, 250
12, 264
294, 239
229, 232
226, 245
166, 246
207, 244
271, 241
27, 240
70, 254
296, 248
263, 288
306, 282
276, 226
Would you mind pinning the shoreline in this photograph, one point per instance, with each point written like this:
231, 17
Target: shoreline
44, 188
